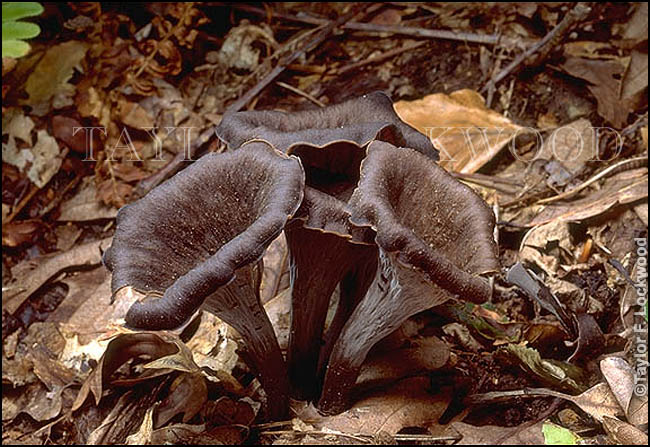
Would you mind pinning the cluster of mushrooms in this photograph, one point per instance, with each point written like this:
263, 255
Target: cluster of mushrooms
363, 206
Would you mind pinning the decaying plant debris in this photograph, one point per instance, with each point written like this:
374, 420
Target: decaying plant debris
508, 95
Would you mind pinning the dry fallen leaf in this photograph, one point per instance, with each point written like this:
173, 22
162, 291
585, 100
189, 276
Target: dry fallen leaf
636, 28
405, 404
40, 160
623, 433
144, 434
16, 126
572, 145
605, 79
621, 379
492, 434
46, 160
30, 275
123, 348
548, 246
423, 354
622, 188
187, 394
85, 205
48, 84
461, 127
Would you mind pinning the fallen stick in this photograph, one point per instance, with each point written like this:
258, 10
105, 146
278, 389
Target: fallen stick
279, 68
381, 57
486, 39
544, 46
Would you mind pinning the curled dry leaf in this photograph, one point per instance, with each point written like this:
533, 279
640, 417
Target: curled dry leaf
120, 350
622, 188
621, 379
187, 394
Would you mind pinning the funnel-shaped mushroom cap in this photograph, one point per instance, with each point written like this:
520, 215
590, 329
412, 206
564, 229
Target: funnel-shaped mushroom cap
435, 238
427, 218
360, 120
197, 239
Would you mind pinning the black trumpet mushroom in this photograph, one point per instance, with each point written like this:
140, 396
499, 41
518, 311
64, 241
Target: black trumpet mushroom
363, 206
325, 248
331, 143
198, 239
435, 240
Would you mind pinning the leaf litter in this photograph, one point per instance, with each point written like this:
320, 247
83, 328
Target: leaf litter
568, 215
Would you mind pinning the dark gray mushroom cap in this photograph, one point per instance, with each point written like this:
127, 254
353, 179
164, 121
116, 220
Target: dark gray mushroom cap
360, 120
428, 219
187, 237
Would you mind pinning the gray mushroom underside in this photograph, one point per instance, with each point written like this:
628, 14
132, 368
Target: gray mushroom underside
324, 248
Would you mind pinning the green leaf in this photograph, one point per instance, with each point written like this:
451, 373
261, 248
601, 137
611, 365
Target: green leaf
14, 48
12, 11
556, 435
19, 30
13, 32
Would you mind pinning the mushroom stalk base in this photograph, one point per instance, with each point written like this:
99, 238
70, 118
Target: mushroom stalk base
238, 305
397, 292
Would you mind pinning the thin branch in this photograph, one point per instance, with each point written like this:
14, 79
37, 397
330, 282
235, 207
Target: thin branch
387, 55
485, 39
299, 92
308, 46
544, 46
631, 163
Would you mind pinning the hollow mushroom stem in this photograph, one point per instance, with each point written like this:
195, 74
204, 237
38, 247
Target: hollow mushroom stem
322, 250
312, 289
353, 288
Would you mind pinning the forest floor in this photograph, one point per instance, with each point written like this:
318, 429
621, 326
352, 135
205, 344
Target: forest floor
540, 107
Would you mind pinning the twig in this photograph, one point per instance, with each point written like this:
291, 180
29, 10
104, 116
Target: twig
482, 177
279, 68
506, 189
485, 39
60, 196
640, 121
364, 438
631, 163
544, 46
34, 189
299, 92
387, 55
174, 165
